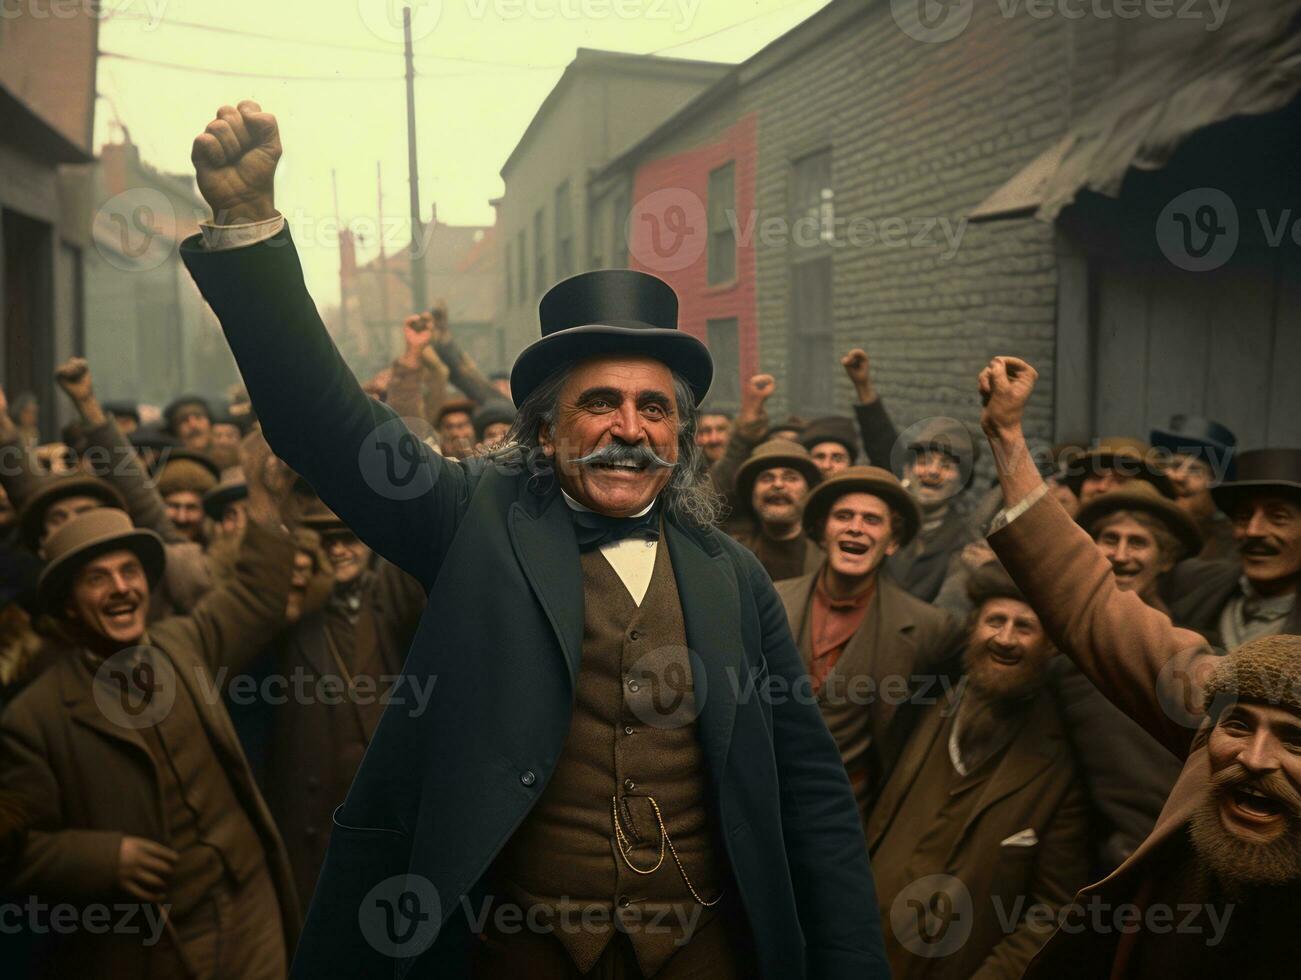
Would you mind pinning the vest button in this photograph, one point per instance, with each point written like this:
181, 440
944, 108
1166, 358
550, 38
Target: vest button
627, 729
635, 635
634, 686
527, 777
629, 785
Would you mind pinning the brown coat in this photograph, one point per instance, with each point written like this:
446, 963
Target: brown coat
89, 781
900, 637
1149, 668
1034, 786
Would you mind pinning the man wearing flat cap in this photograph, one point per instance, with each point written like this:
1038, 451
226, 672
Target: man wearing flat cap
1211, 892
1195, 454
985, 803
1256, 596
189, 419
831, 442
586, 764
865, 642
134, 777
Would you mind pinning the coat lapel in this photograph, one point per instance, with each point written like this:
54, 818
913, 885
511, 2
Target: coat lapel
890, 646
542, 534
897, 787
79, 701
707, 589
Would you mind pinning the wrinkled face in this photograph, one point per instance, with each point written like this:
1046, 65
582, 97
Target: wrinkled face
831, 457
1136, 558
858, 535
62, 511
778, 495
185, 508
126, 424
193, 427
1098, 483
712, 434
456, 432
1249, 828
495, 433
628, 405
110, 597
348, 556
1008, 651
933, 475
1267, 530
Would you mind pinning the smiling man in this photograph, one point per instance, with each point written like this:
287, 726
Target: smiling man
586, 764
864, 640
1212, 891
770, 490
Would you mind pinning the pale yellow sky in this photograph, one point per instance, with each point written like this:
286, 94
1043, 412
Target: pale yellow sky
332, 72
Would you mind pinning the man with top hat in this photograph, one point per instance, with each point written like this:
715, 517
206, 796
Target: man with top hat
771, 487
985, 809
1195, 454
865, 642
1257, 595
1211, 891
137, 786
586, 763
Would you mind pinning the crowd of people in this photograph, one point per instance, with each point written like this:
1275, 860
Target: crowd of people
1064, 690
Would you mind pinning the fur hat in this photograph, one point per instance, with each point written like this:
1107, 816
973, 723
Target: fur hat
1266, 670
991, 581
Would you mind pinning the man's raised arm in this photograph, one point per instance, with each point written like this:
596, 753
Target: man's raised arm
1147, 667
400, 498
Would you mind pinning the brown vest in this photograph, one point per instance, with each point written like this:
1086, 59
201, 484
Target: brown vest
633, 736
206, 824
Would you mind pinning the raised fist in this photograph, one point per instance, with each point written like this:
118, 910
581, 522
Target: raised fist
74, 378
754, 393
858, 367
235, 163
1005, 387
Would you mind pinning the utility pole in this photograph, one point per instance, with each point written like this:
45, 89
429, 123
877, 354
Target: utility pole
417, 254
383, 257
343, 275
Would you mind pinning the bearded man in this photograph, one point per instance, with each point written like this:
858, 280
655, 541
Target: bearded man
1212, 891
986, 802
862, 637
771, 487
585, 754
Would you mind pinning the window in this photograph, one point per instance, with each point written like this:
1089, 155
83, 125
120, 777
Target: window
539, 254
725, 348
510, 275
522, 278
619, 232
722, 236
564, 233
812, 330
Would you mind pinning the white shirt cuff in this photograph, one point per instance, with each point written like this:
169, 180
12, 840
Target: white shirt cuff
1008, 514
219, 238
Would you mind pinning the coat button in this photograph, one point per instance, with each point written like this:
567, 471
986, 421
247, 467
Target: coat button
623, 901
629, 785
635, 635
527, 777
634, 686
627, 729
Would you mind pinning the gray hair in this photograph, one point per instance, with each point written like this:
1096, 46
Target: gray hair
689, 494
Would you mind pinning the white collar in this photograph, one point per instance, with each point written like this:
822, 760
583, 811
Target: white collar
575, 505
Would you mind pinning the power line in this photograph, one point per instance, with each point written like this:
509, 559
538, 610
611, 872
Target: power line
730, 27
230, 73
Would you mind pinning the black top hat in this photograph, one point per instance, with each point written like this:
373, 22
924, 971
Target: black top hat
611, 311
1192, 435
1261, 470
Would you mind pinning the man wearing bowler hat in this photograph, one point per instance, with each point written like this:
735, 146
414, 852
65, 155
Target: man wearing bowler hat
587, 793
770, 490
861, 636
1196, 454
1233, 603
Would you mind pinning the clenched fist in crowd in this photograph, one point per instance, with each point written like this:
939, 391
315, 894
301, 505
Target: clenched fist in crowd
1005, 387
235, 164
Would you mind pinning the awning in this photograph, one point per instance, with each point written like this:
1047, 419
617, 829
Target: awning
1251, 66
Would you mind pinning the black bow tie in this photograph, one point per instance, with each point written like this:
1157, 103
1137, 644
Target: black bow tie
597, 530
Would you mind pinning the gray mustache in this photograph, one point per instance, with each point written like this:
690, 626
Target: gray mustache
622, 452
